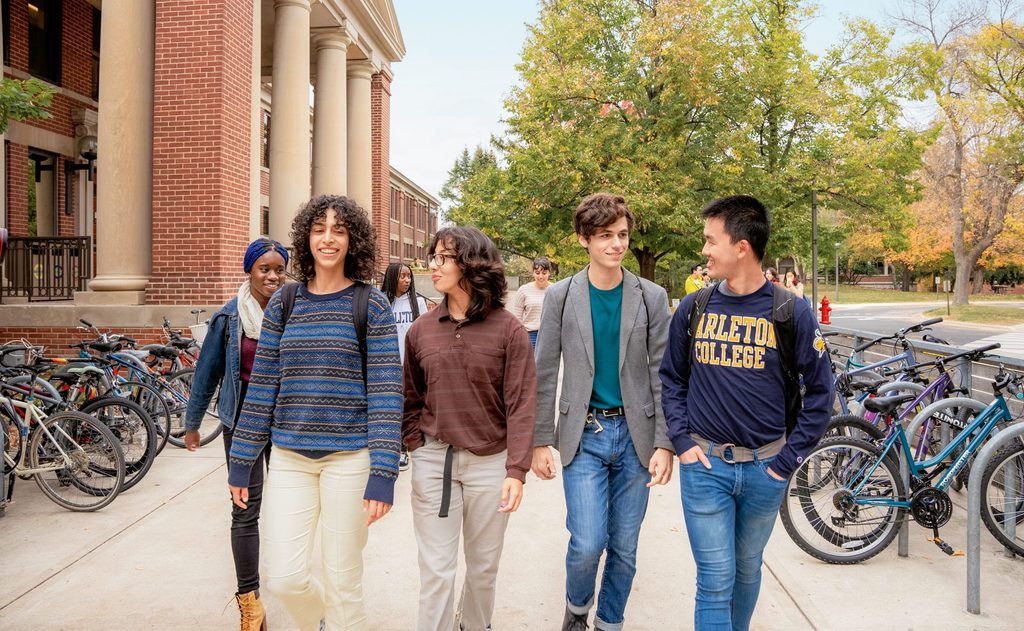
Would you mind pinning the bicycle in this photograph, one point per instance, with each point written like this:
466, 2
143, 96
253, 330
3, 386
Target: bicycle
847, 499
74, 459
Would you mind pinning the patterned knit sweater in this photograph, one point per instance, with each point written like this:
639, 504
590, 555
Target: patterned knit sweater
306, 391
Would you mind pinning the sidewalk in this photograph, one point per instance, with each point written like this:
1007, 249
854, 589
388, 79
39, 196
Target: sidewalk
159, 558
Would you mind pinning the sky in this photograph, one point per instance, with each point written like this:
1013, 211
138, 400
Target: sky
448, 92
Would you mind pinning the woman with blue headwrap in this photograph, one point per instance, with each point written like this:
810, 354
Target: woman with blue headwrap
226, 360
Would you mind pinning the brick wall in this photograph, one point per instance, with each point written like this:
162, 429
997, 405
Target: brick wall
200, 149
17, 189
380, 113
57, 339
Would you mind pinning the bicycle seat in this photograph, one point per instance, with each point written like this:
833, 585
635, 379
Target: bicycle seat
161, 351
183, 342
885, 405
105, 347
74, 372
868, 385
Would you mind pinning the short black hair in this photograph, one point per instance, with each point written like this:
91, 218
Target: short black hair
542, 262
693, 268
745, 218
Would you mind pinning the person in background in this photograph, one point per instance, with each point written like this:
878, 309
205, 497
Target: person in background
334, 420
470, 407
695, 280
399, 285
771, 275
529, 300
792, 282
226, 360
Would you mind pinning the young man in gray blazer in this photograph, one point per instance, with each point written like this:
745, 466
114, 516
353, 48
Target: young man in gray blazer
610, 327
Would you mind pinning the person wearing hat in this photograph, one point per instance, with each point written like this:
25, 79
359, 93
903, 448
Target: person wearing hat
226, 360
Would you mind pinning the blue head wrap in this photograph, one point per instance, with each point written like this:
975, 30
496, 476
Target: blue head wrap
258, 248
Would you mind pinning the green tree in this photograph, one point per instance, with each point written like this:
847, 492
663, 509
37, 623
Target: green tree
673, 103
23, 100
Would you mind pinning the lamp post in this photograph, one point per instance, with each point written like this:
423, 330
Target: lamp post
837, 271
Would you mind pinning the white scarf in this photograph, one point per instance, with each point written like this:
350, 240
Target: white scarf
249, 312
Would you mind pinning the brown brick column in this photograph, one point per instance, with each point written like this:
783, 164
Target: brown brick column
201, 153
380, 112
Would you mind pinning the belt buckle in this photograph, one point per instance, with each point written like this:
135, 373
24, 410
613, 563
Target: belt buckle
592, 419
723, 447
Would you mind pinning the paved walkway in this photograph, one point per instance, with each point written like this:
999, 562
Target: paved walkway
159, 558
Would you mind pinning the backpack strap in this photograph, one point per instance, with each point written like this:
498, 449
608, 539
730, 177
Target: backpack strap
700, 305
360, 314
783, 305
287, 302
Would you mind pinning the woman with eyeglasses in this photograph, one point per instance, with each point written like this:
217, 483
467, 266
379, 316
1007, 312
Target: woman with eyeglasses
470, 397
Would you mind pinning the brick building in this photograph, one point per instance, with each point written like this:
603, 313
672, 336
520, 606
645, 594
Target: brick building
180, 130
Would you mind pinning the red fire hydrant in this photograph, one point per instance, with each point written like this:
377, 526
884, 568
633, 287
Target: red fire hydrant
825, 310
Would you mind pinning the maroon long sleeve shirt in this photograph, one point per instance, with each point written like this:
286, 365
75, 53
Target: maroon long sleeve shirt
471, 384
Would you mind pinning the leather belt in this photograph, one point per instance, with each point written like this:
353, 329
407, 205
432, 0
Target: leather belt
446, 482
733, 454
619, 411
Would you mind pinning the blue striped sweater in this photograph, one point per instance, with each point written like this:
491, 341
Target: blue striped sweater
306, 391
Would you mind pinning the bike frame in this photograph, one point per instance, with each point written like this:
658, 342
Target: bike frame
907, 357
986, 420
34, 415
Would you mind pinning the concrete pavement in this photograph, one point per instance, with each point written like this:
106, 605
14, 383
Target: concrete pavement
159, 558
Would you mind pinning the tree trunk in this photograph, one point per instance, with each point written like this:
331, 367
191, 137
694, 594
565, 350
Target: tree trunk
978, 281
647, 260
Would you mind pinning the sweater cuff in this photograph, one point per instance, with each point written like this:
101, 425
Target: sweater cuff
516, 473
682, 443
238, 474
380, 488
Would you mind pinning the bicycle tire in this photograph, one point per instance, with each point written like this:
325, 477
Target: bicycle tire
149, 397
209, 429
996, 508
94, 468
853, 426
133, 427
827, 525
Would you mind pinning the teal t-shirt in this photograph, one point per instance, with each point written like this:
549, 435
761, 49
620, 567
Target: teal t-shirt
606, 314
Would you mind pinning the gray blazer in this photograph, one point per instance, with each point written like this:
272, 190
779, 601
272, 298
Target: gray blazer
567, 333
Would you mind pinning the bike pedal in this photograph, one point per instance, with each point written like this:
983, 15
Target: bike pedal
945, 547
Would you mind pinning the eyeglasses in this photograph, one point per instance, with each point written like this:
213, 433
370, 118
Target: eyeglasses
439, 259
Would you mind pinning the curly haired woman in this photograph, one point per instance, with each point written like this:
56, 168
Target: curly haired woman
470, 406
335, 456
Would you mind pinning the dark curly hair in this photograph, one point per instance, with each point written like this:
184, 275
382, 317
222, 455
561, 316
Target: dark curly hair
361, 258
483, 272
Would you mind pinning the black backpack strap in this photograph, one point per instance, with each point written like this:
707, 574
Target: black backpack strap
287, 302
783, 305
700, 305
360, 314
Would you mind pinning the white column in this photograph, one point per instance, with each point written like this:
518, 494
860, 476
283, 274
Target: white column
330, 129
125, 149
289, 120
255, 139
360, 146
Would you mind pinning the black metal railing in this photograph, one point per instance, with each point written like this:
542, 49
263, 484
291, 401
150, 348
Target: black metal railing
46, 268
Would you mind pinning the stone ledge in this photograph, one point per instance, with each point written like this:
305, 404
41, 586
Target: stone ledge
67, 314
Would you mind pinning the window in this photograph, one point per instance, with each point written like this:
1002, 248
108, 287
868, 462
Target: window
394, 248
45, 39
265, 220
7, 32
396, 201
265, 159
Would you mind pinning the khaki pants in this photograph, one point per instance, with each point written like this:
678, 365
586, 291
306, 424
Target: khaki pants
476, 495
299, 493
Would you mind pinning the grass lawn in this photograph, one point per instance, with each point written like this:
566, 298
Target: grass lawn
849, 294
988, 314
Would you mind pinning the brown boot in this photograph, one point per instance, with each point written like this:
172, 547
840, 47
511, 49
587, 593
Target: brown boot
254, 616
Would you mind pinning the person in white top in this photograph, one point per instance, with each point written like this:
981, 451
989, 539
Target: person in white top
530, 299
399, 286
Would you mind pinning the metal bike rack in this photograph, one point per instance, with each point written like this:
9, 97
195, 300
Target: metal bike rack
974, 514
911, 430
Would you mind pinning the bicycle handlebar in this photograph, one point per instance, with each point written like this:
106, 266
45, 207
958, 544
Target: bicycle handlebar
898, 335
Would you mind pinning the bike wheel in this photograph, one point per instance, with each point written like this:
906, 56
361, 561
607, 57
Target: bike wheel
133, 428
179, 388
83, 462
853, 426
153, 402
1002, 502
822, 512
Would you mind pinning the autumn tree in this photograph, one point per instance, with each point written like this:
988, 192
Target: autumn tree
673, 103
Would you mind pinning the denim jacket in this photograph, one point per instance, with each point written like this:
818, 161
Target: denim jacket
219, 363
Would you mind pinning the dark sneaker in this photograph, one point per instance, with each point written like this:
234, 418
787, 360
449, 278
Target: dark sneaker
574, 621
403, 461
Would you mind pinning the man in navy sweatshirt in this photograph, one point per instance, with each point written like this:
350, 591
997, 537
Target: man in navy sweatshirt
726, 414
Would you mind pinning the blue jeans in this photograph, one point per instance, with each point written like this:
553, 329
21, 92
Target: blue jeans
533, 339
730, 511
606, 500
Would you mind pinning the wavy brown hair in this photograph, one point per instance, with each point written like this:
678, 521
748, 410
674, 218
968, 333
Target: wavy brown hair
361, 258
483, 272
599, 210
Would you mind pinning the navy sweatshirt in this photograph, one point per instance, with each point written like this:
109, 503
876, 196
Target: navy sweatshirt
735, 392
